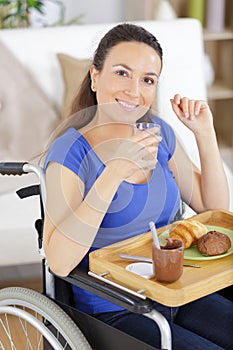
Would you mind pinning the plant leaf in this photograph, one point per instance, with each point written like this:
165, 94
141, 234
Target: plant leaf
5, 2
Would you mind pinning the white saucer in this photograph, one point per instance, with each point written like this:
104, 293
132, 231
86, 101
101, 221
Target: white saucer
141, 268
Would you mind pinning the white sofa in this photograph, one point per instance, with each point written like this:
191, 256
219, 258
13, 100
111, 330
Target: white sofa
35, 51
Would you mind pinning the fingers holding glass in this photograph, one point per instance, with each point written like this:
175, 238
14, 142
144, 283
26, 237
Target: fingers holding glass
147, 135
149, 127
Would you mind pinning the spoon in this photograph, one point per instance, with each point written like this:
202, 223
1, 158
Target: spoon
149, 260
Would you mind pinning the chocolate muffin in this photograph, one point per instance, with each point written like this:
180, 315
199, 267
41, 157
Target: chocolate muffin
213, 243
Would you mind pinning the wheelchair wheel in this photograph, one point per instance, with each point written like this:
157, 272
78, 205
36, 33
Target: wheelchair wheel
35, 321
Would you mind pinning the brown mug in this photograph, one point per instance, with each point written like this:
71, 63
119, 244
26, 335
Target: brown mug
168, 261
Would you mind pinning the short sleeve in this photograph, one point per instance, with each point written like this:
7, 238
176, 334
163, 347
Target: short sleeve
71, 151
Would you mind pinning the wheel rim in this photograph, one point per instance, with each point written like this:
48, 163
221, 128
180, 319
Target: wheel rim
29, 320
22, 330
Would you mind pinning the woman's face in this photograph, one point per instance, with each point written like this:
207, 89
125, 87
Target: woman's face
126, 86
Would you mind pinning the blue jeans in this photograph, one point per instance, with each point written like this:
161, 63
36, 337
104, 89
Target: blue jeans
205, 324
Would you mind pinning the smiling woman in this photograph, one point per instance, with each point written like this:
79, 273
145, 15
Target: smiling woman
131, 84
102, 189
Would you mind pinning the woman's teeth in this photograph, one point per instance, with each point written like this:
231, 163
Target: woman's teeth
127, 105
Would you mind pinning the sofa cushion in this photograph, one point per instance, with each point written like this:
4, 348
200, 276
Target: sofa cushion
27, 117
74, 70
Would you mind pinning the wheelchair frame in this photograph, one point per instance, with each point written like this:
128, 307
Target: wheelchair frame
113, 292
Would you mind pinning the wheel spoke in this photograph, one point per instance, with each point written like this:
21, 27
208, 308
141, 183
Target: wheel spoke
6, 328
27, 319
24, 327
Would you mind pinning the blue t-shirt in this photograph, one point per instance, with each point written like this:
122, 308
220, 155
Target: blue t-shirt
133, 206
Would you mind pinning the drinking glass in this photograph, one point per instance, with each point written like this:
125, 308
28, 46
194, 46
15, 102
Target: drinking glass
153, 128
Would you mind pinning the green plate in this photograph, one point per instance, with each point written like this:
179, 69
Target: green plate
193, 253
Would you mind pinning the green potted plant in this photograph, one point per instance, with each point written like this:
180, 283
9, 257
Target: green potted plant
15, 13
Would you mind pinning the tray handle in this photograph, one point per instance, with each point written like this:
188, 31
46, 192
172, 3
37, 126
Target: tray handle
103, 279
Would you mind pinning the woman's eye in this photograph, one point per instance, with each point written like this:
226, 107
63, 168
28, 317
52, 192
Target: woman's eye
149, 81
121, 73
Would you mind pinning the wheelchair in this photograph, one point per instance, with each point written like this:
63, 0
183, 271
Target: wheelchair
50, 320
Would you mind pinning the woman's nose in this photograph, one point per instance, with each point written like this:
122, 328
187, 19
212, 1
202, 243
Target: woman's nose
133, 87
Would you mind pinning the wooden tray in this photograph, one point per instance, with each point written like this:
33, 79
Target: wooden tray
193, 284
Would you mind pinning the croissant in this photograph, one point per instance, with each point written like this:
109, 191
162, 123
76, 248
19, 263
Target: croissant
188, 231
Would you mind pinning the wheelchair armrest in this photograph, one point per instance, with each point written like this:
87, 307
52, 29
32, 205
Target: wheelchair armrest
80, 278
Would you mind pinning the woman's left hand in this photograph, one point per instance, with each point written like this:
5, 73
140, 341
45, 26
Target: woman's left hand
195, 114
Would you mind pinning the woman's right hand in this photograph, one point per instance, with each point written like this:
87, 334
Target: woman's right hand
138, 152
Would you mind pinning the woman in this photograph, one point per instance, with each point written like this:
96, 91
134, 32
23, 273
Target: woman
106, 190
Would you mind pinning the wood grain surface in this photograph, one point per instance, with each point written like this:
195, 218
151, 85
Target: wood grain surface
194, 282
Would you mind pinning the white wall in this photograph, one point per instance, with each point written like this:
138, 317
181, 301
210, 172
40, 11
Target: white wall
96, 11
139, 9
92, 11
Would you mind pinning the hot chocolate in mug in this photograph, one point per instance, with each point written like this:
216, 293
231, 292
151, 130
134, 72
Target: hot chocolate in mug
168, 261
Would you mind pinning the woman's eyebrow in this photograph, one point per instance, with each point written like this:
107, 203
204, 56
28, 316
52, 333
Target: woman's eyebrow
128, 68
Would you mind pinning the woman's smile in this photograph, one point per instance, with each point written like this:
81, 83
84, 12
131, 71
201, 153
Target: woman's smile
127, 106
